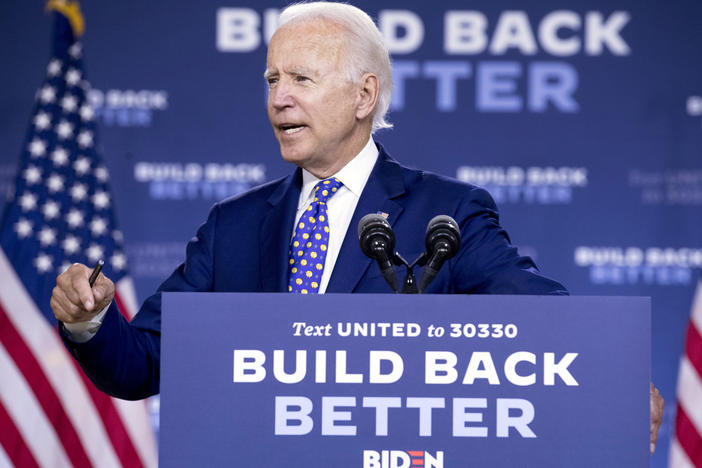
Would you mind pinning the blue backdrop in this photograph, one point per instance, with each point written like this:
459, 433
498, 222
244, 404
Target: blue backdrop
583, 119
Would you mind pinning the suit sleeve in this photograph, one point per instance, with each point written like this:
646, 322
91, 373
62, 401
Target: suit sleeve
487, 263
123, 358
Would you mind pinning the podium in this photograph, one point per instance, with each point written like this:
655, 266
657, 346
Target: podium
398, 381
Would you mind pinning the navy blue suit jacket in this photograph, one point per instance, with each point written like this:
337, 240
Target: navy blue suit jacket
243, 247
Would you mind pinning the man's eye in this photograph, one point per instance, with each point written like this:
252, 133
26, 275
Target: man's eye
272, 81
302, 78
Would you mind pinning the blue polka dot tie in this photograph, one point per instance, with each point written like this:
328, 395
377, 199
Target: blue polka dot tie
308, 249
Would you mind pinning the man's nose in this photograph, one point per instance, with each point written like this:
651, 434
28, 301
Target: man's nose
280, 96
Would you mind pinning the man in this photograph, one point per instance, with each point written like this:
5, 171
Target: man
330, 83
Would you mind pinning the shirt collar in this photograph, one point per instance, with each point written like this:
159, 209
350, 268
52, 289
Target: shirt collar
353, 175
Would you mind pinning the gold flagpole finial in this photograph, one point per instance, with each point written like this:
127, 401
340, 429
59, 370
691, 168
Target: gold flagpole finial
71, 10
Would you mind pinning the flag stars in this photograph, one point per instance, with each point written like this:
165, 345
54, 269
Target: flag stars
79, 192
101, 174
74, 218
117, 236
73, 76
70, 244
55, 183
28, 201
37, 147
60, 156
69, 103
43, 263
75, 50
119, 261
32, 175
42, 121
94, 252
23, 227
54, 67
47, 94
85, 139
47, 236
101, 200
64, 129
82, 165
86, 113
51, 209
98, 226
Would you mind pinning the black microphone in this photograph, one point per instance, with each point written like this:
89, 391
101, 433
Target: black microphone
442, 241
378, 242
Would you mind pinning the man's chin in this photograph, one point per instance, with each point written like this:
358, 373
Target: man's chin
293, 155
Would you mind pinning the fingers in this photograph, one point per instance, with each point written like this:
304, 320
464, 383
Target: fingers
73, 300
80, 284
657, 406
103, 291
64, 309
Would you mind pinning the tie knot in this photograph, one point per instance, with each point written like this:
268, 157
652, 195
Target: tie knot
326, 188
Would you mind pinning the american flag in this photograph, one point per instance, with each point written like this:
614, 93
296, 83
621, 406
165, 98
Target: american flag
60, 212
686, 446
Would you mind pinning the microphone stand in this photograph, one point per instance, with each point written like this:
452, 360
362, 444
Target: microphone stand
378, 242
409, 284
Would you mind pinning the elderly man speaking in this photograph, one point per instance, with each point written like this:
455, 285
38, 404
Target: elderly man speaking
330, 84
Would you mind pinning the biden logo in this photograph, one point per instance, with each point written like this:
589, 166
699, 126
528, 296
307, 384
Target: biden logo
402, 459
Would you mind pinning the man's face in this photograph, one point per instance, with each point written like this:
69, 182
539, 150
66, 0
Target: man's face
311, 103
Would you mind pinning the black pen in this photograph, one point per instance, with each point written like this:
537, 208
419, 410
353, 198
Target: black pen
96, 272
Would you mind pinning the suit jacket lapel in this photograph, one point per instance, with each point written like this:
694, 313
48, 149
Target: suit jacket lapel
384, 184
276, 232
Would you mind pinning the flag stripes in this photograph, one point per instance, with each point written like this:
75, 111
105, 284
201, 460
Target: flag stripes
10, 437
32, 423
116, 431
138, 426
686, 446
57, 364
693, 348
688, 437
125, 294
677, 457
28, 366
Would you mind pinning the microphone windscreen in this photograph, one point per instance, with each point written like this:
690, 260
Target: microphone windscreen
443, 228
443, 221
371, 219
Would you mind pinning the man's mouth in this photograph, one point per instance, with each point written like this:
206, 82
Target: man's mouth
290, 129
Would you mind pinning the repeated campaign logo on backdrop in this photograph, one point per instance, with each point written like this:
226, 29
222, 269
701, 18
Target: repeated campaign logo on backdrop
127, 108
661, 266
197, 180
530, 185
499, 86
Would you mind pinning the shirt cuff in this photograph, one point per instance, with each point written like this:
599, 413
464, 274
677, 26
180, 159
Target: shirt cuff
80, 332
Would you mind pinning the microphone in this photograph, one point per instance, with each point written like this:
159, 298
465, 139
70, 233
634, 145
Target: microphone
443, 240
378, 242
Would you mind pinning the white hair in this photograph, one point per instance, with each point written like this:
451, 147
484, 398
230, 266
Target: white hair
365, 47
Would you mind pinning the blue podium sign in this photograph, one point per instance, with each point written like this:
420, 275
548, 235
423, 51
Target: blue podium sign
393, 381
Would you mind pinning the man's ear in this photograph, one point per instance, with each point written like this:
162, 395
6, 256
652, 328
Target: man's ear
368, 91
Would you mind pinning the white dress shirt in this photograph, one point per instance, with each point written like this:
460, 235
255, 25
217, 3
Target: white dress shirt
341, 206
340, 210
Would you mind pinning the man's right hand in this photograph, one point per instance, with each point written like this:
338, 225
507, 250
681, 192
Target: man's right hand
73, 300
